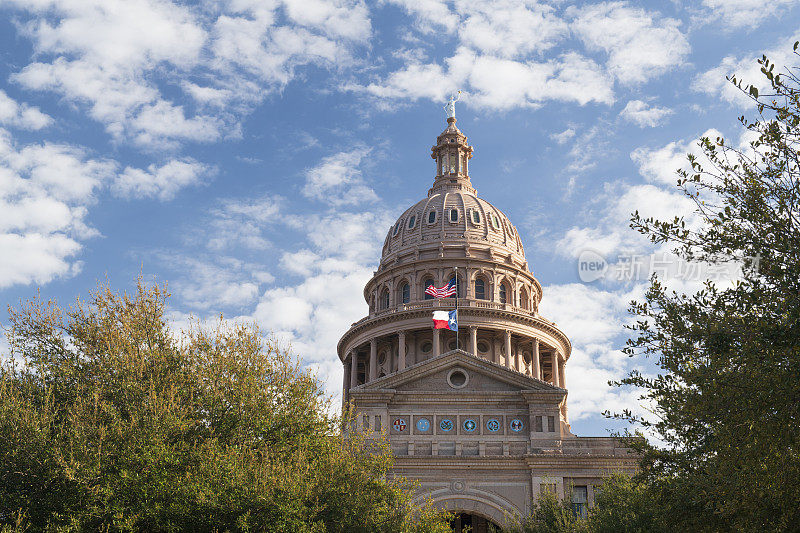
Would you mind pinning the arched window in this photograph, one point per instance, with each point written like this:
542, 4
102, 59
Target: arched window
523, 299
476, 217
503, 293
412, 221
454, 215
480, 289
385, 299
432, 217
396, 228
428, 283
405, 293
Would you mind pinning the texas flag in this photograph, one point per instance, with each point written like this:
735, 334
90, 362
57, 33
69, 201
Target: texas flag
445, 320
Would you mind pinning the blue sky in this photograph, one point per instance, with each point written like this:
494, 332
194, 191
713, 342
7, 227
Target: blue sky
253, 154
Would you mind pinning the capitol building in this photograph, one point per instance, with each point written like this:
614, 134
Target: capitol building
479, 417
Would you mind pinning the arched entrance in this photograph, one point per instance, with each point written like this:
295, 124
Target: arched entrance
473, 523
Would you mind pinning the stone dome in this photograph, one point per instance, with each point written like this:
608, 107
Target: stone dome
447, 216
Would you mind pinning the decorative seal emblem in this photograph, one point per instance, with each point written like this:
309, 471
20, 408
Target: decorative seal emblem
470, 425
445, 424
423, 424
517, 425
493, 425
399, 424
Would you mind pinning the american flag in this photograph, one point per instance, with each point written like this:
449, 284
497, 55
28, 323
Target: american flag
442, 292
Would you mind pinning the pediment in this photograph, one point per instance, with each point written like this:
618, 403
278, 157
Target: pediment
436, 375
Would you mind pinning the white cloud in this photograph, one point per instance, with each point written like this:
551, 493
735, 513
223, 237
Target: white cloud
660, 165
212, 283
508, 29
749, 14
44, 193
338, 180
500, 49
643, 115
564, 136
640, 44
747, 70
122, 59
498, 83
21, 115
593, 320
162, 182
241, 223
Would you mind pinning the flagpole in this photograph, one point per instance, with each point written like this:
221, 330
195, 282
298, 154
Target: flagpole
456, 270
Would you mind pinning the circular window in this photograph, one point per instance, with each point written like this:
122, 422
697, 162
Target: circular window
446, 425
427, 347
469, 425
452, 345
483, 347
493, 425
381, 358
423, 424
457, 378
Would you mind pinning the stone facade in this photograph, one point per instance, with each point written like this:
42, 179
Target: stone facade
480, 419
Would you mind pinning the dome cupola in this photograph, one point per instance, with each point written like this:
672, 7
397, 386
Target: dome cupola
452, 155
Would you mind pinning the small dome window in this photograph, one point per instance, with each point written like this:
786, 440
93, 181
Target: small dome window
483, 347
426, 347
432, 217
396, 228
384, 301
412, 221
405, 293
454, 215
503, 293
476, 217
495, 222
480, 289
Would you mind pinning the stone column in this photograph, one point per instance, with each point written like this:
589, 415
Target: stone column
353, 369
373, 359
508, 348
473, 340
435, 342
401, 350
554, 363
537, 371
562, 374
345, 382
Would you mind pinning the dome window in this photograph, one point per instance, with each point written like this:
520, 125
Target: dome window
483, 347
432, 217
480, 289
384, 301
405, 293
476, 217
396, 229
412, 221
495, 222
454, 215
503, 293
428, 283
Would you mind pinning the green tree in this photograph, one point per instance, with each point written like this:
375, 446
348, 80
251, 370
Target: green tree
727, 397
548, 514
112, 421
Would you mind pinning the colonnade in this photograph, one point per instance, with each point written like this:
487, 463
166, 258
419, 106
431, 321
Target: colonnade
513, 359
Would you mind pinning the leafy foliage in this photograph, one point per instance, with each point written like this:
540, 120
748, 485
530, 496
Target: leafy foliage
727, 399
111, 421
548, 514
